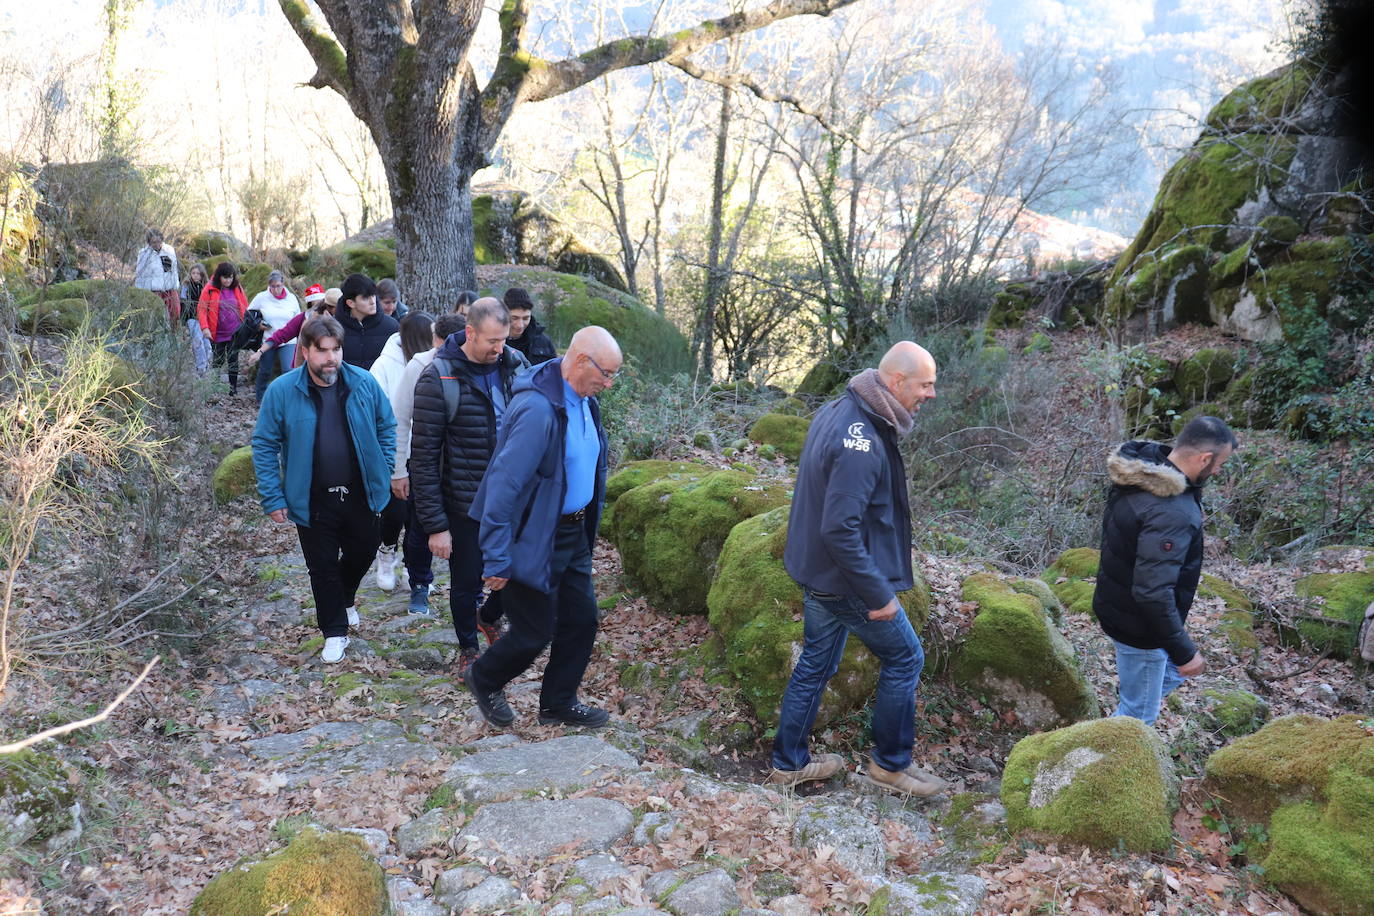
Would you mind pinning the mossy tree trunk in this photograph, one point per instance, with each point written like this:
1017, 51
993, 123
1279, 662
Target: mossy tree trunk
405, 73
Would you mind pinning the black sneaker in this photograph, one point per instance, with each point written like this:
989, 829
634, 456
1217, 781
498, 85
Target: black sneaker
577, 714
493, 705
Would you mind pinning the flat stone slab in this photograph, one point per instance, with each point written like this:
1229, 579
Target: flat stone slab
857, 841
563, 763
540, 829
711, 894
934, 894
333, 748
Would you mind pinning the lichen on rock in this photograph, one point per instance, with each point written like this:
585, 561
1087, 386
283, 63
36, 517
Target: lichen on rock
1105, 783
1015, 655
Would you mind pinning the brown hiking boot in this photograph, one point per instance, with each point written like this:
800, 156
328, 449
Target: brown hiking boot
465, 659
822, 767
905, 782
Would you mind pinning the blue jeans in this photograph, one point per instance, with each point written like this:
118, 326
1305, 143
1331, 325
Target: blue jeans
200, 347
828, 622
276, 361
1146, 677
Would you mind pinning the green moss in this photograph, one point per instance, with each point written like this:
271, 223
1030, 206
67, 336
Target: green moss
1204, 374
318, 874
670, 532
1233, 268
756, 607
1263, 99
53, 316
443, 796
1016, 655
1235, 713
1343, 599
109, 300
648, 339
637, 474
1290, 759
1072, 576
329, 57
1042, 593
253, 279
374, 259
1009, 308
1315, 778
784, 432
821, 379
36, 784
235, 476
1123, 793
1279, 230
1040, 342
1213, 587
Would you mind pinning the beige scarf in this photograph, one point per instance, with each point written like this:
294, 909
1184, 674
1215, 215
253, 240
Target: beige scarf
870, 388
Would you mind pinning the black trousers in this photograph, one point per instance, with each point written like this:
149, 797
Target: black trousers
339, 547
465, 585
393, 520
222, 353
564, 616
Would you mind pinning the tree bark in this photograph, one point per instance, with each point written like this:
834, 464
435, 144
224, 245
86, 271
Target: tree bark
404, 72
715, 281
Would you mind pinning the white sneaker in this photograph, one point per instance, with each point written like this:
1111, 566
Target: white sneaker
352, 613
386, 568
334, 649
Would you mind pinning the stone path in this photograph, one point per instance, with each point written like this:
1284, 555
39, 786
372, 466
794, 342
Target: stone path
508, 808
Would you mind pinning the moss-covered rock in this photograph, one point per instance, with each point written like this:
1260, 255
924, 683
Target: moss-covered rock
318, 874
670, 532
234, 477
1041, 591
637, 474
784, 432
1073, 577
36, 798
1175, 283
1234, 712
1017, 658
1105, 783
1278, 230
821, 380
208, 244
1338, 607
565, 303
1312, 781
53, 316
108, 301
1238, 620
756, 607
1204, 374
376, 259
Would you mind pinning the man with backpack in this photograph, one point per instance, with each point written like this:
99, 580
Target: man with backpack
460, 400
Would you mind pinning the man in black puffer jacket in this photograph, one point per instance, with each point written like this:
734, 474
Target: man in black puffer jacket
1152, 560
449, 453
366, 329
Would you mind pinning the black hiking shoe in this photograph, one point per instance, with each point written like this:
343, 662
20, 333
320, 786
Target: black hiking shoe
492, 705
577, 714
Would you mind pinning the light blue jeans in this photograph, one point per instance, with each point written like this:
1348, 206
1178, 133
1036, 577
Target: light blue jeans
200, 347
1146, 677
828, 622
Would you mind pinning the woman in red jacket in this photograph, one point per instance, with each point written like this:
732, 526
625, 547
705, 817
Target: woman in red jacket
220, 312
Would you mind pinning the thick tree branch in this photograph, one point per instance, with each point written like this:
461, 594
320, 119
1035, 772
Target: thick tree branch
548, 80
331, 64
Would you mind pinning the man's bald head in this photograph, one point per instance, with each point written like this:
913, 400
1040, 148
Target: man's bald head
908, 371
593, 361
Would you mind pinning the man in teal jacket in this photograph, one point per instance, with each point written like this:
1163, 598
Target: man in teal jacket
322, 451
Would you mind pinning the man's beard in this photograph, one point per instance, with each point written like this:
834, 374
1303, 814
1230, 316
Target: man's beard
329, 376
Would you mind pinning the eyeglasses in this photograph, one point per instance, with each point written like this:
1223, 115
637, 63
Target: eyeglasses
608, 376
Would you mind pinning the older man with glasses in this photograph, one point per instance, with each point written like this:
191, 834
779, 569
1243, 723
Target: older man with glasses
539, 506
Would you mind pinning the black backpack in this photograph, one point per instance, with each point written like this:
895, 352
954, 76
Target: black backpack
453, 392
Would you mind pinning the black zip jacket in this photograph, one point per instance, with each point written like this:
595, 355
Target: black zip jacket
363, 340
849, 532
449, 457
534, 343
1151, 551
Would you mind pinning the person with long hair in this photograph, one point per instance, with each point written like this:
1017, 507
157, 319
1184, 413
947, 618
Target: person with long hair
415, 336
190, 298
278, 305
220, 312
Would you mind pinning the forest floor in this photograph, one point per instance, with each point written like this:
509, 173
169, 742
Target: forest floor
178, 792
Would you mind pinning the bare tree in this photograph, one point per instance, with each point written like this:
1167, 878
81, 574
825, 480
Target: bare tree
405, 71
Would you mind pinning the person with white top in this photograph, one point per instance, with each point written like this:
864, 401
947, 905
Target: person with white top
156, 271
278, 305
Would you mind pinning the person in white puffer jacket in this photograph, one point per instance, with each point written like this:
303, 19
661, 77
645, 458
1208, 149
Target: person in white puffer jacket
404, 356
278, 305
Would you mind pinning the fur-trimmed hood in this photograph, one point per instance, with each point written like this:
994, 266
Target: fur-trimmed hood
1143, 464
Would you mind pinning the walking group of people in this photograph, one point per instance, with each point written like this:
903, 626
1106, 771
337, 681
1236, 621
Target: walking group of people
485, 454
473, 437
